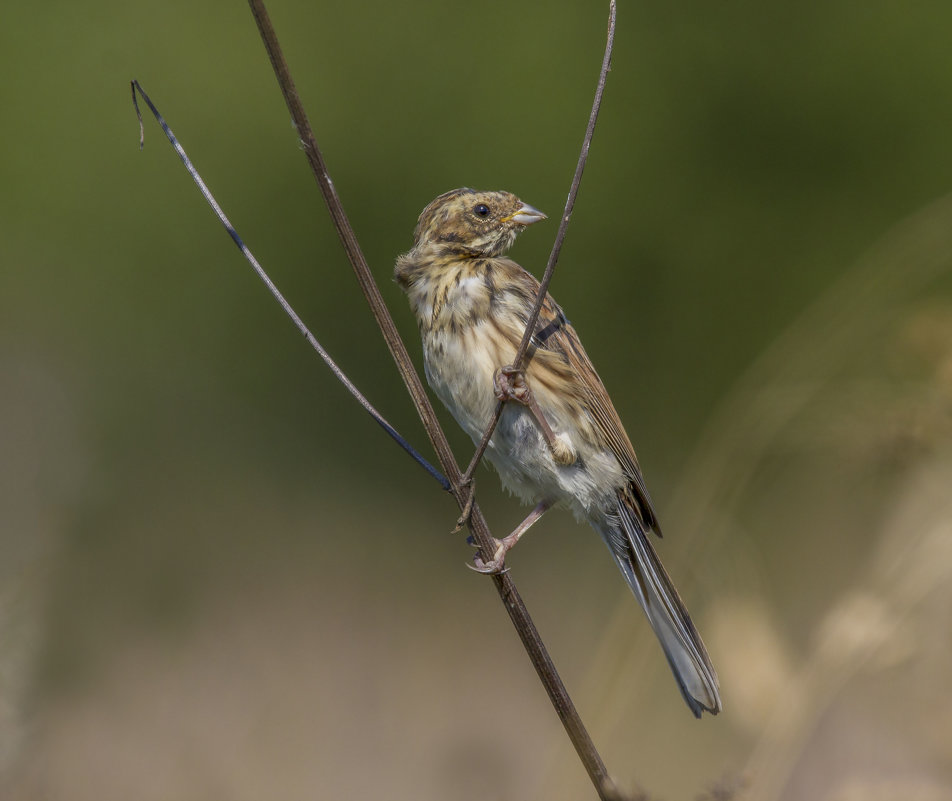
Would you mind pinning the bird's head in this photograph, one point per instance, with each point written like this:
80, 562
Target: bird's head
474, 223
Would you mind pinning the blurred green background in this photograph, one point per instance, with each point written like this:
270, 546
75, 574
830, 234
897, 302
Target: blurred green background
219, 579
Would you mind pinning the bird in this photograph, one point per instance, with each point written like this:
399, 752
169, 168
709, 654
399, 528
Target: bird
559, 440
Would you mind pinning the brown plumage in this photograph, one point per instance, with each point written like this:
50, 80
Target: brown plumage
563, 442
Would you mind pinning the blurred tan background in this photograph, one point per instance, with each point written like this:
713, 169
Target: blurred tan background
218, 579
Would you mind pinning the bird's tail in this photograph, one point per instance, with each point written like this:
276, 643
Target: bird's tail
628, 541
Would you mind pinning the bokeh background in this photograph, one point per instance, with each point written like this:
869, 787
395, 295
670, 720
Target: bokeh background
218, 579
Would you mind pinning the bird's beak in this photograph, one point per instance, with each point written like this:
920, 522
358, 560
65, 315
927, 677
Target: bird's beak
525, 216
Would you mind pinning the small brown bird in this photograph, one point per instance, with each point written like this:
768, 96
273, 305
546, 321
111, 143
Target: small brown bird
559, 440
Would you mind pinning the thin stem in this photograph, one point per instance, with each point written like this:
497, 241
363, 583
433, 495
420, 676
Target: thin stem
477, 523
520, 357
272, 288
349, 242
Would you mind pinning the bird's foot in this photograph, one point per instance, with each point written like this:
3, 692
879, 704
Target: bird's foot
497, 564
510, 384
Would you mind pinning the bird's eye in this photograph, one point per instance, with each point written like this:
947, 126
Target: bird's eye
481, 210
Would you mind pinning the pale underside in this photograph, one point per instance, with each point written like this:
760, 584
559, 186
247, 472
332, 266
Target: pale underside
460, 369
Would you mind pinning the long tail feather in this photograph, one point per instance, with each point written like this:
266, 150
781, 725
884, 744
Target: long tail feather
636, 558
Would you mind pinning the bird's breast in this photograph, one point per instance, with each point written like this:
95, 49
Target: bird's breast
460, 363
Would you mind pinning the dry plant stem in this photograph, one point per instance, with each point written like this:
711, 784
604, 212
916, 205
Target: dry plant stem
272, 288
520, 358
477, 523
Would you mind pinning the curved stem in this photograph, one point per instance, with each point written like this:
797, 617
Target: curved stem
520, 357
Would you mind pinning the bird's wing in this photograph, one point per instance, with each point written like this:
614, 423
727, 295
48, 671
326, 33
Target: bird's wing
606, 419
556, 336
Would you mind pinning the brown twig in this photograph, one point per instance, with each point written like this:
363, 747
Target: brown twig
517, 362
507, 590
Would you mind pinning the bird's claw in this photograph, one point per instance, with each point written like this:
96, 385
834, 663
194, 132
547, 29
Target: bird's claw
509, 383
497, 564
494, 567
490, 568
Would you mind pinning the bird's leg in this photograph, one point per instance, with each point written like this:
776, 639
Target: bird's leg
503, 546
463, 519
510, 384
